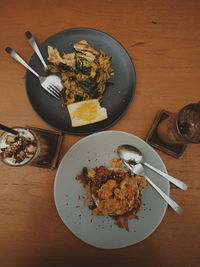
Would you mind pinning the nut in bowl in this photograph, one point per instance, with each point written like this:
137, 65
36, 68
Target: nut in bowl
30, 146
18, 150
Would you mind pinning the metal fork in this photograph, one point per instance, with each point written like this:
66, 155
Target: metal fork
139, 170
48, 82
33, 44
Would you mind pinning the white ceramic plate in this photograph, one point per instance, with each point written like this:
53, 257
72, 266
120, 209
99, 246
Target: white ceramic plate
71, 199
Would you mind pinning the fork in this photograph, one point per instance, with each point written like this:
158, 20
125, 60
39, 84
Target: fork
139, 170
33, 44
49, 83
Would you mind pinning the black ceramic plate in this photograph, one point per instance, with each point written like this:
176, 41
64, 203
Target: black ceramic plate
116, 97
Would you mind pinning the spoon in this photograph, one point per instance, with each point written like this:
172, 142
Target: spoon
35, 47
133, 155
139, 170
7, 129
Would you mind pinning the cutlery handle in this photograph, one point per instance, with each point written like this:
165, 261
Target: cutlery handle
33, 44
170, 178
139, 171
14, 55
169, 200
7, 129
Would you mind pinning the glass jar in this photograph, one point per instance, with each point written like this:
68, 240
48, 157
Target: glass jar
182, 127
21, 149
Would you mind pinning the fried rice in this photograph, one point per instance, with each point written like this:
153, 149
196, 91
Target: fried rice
84, 73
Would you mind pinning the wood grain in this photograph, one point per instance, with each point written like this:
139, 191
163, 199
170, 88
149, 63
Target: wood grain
162, 38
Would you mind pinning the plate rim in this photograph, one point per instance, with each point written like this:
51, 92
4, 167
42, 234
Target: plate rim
165, 205
133, 90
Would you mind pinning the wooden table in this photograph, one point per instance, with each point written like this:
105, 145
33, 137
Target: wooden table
162, 37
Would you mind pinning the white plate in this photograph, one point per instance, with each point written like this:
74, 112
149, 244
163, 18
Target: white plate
71, 199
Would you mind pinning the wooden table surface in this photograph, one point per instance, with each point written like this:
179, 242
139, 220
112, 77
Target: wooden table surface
163, 40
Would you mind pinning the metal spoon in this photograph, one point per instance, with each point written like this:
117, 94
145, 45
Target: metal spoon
139, 170
133, 155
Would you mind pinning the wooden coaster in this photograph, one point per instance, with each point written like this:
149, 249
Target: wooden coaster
154, 140
50, 148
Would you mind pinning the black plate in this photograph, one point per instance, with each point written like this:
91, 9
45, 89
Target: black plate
116, 97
